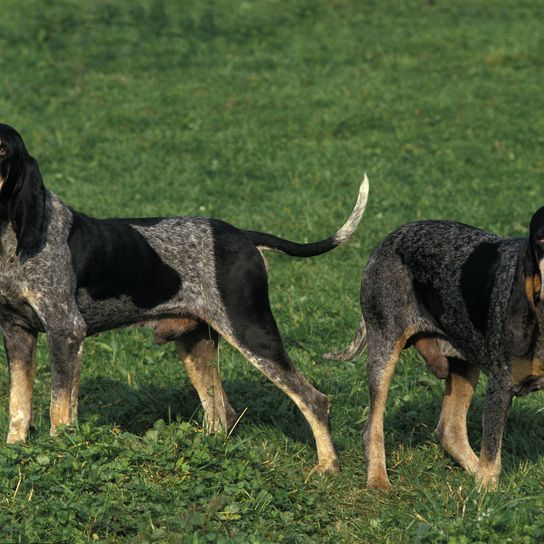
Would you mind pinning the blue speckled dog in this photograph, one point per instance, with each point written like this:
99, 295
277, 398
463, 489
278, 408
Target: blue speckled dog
69, 275
468, 301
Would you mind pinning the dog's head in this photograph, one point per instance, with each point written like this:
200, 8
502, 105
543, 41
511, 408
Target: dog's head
22, 193
536, 246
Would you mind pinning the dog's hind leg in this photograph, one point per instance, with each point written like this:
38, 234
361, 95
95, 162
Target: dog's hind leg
20, 348
198, 350
451, 431
197, 346
313, 404
248, 324
382, 360
263, 347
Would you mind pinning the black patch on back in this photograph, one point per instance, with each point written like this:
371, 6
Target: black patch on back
111, 259
429, 299
477, 279
243, 285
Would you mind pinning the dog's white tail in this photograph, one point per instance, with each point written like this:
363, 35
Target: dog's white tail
265, 241
356, 347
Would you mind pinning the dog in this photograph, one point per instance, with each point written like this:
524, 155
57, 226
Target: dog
191, 279
468, 301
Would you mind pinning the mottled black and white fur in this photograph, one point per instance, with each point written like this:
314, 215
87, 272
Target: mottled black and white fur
468, 300
69, 275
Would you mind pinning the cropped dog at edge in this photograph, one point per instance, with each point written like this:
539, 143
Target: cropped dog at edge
467, 300
70, 275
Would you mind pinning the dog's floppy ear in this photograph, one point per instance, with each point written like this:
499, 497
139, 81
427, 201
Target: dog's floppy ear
536, 244
24, 193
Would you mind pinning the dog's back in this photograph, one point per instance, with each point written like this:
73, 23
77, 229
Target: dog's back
443, 277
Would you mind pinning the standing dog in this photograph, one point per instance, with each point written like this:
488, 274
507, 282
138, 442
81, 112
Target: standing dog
69, 275
467, 300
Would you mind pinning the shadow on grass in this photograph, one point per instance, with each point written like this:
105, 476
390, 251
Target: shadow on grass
413, 423
410, 423
136, 409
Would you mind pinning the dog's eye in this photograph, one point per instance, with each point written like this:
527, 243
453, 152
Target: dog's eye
3, 150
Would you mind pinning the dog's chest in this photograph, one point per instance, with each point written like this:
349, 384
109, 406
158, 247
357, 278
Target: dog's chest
16, 299
11, 279
17, 306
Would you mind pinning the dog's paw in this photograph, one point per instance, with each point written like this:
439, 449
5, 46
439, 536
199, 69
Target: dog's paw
379, 483
15, 438
327, 467
486, 482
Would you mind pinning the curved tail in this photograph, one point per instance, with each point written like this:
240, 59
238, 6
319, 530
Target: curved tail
268, 241
356, 347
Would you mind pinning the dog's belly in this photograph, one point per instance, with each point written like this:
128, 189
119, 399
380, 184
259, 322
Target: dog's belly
103, 315
113, 313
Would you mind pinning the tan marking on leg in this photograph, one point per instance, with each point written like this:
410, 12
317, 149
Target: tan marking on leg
20, 346
199, 355
374, 438
74, 394
451, 430
488, 471
498, 401
327, 459
60, 410
65, 357
373, 434
20, 399
311, 403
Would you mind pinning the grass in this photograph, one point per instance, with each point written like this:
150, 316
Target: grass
266, 114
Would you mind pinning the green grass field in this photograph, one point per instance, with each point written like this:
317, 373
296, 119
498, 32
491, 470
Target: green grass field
266, 114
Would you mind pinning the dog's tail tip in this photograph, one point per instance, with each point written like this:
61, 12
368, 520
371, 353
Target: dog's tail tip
335, 356
264, 241
346, 355
364, 184
356, 215
355, 348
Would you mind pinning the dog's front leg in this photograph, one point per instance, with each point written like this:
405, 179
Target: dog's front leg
20, 346
496, 408
65, 349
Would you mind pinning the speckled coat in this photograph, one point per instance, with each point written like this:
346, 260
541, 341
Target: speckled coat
192, 279
468, 300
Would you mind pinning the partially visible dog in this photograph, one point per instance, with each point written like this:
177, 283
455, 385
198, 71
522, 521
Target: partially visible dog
467, 300
70, 275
